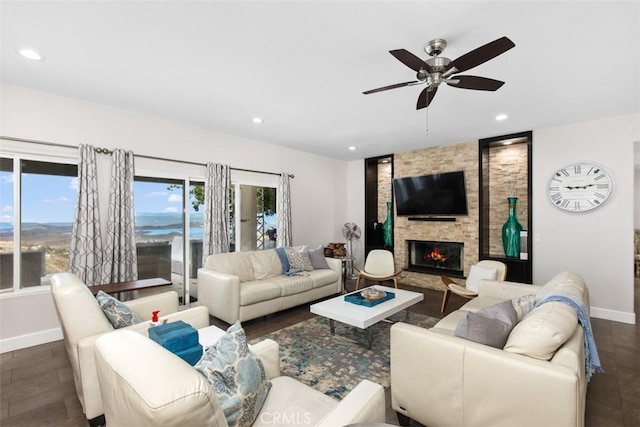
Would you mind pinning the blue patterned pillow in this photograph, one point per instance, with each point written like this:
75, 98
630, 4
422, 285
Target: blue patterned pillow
118, 313
237, 376
298, 260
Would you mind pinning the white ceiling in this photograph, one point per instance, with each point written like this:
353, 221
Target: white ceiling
302, 65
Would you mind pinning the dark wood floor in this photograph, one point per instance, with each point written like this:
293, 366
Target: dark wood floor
37, 384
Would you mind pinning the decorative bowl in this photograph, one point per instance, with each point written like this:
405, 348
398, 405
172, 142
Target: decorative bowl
372, 294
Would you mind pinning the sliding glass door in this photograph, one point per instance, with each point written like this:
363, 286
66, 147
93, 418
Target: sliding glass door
165, 214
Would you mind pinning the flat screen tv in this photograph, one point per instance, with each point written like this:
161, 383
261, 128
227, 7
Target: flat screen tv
435, 194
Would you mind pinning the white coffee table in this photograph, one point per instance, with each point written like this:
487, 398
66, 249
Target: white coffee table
362, 316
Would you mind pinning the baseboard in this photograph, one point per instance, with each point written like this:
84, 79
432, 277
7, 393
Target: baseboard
29, 340
616, 316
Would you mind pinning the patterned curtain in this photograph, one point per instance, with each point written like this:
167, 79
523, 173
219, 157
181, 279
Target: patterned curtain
283, 197
85, 256
216, 210
120, 258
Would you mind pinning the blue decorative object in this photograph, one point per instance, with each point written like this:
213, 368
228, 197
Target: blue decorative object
180, 339
511, 231
387, 228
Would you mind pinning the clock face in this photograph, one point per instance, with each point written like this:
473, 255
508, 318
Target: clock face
579, 187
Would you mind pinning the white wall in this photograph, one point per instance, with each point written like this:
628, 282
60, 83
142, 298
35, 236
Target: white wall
355, 205
317, 191
636, 185
597, 245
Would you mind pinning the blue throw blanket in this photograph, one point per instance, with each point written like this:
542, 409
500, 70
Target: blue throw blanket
592, 360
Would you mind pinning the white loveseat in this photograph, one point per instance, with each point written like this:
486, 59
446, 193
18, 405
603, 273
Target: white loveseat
537, 379
246, 285
157, 388
83, 322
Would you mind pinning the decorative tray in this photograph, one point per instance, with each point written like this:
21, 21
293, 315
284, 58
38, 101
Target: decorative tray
359, 298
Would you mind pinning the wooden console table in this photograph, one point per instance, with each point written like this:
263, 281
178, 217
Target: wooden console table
132, 285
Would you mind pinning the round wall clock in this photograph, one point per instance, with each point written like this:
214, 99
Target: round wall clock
579, 187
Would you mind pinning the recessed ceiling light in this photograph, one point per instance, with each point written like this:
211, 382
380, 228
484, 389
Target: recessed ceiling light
257, 120
30, 54
501, 117
352, 148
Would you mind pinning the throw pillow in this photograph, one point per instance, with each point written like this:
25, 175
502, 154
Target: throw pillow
298, 260
523, 305
317, 258
119, 314
543, 331
282, 254
489, 326
237, 377
479, 273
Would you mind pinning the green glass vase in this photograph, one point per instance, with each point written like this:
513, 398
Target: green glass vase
387, 228
511, 231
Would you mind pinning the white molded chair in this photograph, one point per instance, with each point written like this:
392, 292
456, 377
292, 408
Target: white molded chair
379, 266
485, 269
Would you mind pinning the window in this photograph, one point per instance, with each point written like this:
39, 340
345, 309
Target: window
43, 217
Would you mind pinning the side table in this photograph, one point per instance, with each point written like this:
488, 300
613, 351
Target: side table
347, 270
132, 285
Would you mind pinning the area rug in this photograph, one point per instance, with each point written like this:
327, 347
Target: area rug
332, 364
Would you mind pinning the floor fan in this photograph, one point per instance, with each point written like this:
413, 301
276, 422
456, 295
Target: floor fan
351, 232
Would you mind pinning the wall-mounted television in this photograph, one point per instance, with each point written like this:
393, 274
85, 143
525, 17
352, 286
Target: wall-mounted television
434, 194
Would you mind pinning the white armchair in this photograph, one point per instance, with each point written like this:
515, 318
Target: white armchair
83, 322
135, 395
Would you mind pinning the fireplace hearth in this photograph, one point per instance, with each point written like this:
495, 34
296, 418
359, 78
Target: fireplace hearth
435, 257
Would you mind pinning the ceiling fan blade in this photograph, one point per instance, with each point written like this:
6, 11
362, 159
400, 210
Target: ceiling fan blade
481, 55
410, 60
474, 82
395, 86
425, 97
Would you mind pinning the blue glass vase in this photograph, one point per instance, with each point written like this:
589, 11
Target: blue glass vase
511, 231
387, 228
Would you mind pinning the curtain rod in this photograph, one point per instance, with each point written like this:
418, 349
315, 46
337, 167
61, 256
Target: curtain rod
107, 151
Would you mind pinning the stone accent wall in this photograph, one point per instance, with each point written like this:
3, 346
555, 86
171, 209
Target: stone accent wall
449, 158
384, 189
507, 176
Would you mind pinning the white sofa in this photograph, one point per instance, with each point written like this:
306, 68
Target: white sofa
537, 379
246, 285
83, 322
143, 384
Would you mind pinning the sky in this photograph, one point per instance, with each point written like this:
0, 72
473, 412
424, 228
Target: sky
51, 199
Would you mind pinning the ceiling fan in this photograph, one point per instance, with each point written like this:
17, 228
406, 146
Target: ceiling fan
438, 69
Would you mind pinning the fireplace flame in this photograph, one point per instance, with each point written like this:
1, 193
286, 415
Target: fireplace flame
435, 255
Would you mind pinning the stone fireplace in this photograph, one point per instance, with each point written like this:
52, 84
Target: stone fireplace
436, 257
